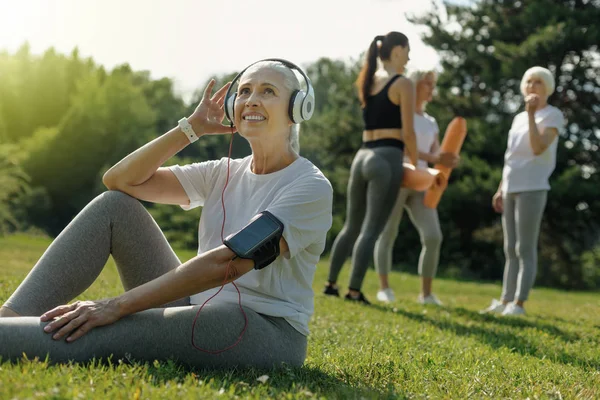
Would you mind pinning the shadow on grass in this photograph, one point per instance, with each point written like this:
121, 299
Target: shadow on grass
307, 380
572, 322
568, 337
516, 323
498, 339
281, 382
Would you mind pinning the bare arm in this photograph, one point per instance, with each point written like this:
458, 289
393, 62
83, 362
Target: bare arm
206, 271
406, 91
433, 156
540, 141
140, 174
201, 273
429, 157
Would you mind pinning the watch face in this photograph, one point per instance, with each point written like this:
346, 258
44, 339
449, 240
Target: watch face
254, 235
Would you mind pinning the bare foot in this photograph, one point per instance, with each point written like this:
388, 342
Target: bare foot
6, 312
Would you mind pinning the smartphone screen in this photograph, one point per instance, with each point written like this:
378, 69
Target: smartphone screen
254, 235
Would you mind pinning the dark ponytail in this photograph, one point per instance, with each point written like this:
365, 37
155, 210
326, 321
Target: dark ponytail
367, 73
365, 77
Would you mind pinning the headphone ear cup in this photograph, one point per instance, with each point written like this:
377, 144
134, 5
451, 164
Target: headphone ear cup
302, 107
308, 105
229, 107
294, 109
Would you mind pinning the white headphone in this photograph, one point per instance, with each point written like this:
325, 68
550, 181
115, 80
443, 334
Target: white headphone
302, 104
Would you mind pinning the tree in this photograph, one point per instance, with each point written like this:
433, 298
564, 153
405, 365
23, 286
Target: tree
13, 182
36, 91
107, 120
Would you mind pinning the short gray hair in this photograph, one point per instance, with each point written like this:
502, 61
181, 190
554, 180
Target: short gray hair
291, 82
419, 75
539, 72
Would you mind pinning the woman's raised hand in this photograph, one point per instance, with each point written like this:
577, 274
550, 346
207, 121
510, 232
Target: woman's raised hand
532, 102
77, 319
208, 117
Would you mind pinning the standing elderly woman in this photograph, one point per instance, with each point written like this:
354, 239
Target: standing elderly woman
529, 161
264, 326
425, 219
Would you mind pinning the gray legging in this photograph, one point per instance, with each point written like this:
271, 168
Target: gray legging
521, 221
118, 225
426, 221
375, 178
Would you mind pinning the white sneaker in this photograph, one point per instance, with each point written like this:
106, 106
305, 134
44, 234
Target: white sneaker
496, 307
431, 299
513, 309
386, 295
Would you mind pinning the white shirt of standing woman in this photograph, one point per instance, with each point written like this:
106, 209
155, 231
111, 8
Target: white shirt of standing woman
524, 171
426, 130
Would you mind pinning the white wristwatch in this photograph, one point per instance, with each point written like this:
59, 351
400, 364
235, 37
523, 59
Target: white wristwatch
186, 127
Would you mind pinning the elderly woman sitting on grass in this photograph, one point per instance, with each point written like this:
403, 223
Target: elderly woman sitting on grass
262, 231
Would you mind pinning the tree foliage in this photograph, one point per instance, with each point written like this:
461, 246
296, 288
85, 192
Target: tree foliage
13, 182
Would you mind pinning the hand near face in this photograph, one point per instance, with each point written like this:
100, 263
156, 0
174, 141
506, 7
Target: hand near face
208, 117
532, 101
75, 320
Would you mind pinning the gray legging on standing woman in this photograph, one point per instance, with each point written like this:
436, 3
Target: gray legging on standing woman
118, 225
426, 221
375, 178
521, 221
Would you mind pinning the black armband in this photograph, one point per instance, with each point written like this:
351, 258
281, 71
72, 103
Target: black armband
258, 240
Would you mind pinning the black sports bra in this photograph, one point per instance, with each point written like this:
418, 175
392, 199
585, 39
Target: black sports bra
379, 112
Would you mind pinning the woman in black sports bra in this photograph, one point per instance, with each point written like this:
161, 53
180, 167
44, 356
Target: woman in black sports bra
388, 105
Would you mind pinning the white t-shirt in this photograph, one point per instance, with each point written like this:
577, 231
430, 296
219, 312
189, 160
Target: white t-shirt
426, 130
300, 196
523, 171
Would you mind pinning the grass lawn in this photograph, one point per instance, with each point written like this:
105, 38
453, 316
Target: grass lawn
402, 350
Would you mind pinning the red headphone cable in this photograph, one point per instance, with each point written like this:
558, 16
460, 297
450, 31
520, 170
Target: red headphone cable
226, 271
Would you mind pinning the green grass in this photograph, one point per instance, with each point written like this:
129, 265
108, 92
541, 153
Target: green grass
403, 350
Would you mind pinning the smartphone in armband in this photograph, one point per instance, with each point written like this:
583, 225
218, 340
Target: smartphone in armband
258, 240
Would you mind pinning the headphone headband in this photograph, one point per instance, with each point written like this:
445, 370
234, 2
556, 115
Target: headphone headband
301, 103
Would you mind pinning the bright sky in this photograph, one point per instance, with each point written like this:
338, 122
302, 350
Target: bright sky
189, 40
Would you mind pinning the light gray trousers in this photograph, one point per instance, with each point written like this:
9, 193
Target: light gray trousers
375, 178
521, 222
426, 221
118, 225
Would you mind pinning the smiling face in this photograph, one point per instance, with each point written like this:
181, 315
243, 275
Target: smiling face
261, 105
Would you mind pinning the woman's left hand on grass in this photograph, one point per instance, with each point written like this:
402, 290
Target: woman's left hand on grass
75, 320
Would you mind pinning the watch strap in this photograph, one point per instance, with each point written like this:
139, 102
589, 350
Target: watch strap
187, 129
